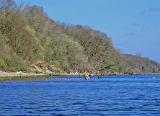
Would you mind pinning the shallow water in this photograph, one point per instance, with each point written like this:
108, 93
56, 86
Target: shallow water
137, 95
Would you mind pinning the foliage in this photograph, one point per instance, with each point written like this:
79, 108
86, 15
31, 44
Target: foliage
137, 64
9, 61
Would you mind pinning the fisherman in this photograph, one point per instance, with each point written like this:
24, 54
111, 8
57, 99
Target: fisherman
86, 76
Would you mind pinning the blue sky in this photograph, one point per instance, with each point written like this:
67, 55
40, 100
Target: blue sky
133, 25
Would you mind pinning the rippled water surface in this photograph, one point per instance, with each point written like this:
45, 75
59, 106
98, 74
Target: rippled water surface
137, 95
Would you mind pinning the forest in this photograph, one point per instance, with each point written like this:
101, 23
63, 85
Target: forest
30, 41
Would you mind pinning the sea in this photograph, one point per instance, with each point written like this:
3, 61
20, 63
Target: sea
123, 95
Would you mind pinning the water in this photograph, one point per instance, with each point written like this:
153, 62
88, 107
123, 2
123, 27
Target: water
115, 96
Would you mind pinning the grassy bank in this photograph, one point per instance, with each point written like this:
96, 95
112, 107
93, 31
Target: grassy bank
24, 78
6, 76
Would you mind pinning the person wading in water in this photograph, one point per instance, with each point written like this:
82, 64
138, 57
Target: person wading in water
86, 75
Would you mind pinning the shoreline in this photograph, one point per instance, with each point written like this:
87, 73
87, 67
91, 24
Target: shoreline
8, 76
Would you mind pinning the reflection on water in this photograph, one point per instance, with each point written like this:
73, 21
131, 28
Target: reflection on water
117, 95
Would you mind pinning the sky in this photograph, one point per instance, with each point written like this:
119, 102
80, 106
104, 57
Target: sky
133, 25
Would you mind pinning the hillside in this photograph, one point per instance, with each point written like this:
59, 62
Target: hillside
30, 41
138, 64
